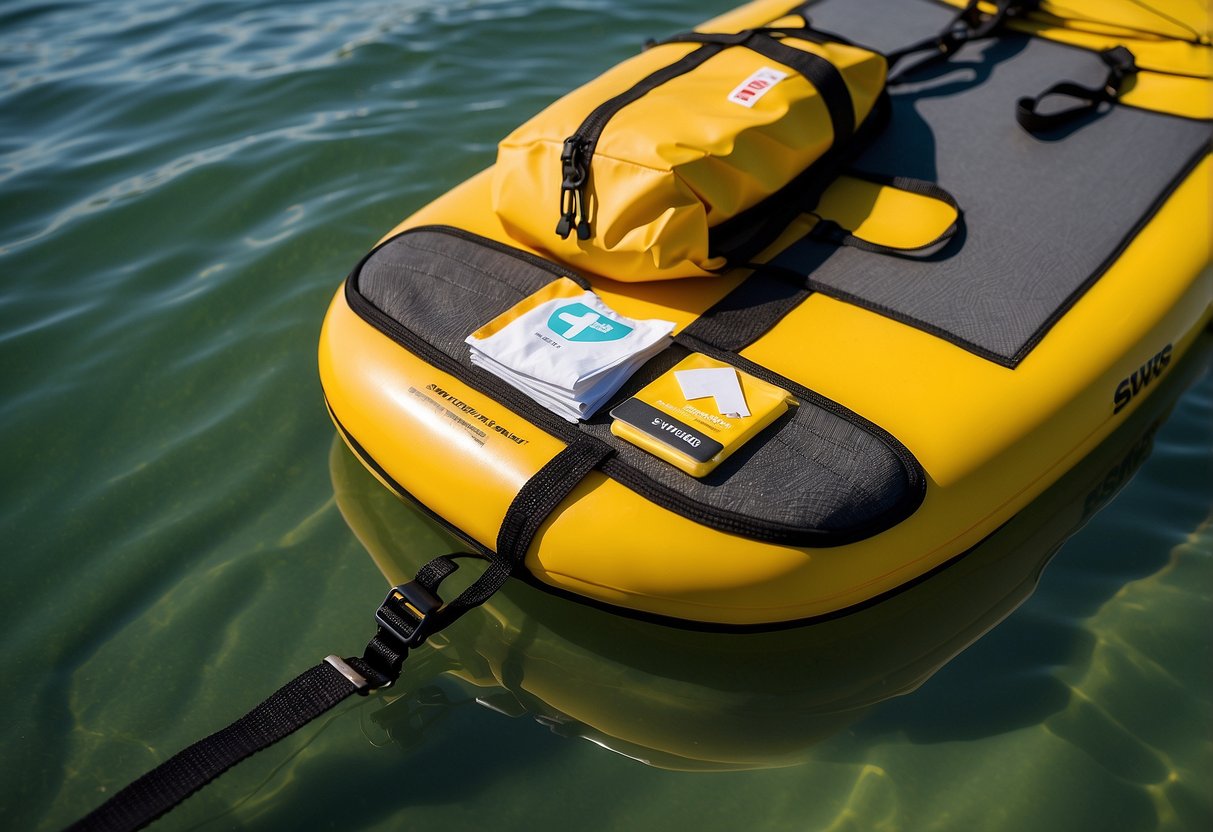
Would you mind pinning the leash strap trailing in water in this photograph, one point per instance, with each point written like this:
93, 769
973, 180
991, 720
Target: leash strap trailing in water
290, 708
403, 620
407, 617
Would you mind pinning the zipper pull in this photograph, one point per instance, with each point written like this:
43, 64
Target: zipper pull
583, 224
572, 191
566, 221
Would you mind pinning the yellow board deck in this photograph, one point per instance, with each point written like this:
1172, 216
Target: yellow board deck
989, 438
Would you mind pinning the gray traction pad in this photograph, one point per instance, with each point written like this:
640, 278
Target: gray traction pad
811, 472
1044, 216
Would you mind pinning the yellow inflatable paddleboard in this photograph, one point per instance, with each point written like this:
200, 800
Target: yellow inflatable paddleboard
784, 314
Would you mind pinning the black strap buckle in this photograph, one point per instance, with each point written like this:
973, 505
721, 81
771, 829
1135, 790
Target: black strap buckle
1121, 64
952, 39
407, 613
828, 231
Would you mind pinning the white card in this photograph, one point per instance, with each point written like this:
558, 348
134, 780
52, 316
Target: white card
718, 382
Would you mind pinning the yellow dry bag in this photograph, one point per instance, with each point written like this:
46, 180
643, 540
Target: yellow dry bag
633, 175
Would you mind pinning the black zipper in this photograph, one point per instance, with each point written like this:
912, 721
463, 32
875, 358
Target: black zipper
579, 148
577, 154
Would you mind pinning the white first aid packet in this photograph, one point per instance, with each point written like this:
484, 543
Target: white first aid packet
565, 348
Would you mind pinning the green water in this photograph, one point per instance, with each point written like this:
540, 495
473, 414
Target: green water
182, 187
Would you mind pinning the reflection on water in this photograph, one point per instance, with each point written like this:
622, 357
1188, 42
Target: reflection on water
704, 701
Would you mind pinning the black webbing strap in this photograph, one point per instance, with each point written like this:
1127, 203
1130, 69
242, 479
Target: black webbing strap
290, 708
828, 231
750, 310
819, 72
772, 290
969, 24
741, 239
822, 74
1121, 65
531, 506
410, 613
544, 491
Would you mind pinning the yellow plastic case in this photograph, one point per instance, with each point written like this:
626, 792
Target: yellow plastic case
694, 435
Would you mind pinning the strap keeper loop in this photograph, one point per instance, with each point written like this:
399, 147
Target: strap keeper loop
361, 686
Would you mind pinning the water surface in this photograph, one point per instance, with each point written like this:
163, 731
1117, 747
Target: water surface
182, 187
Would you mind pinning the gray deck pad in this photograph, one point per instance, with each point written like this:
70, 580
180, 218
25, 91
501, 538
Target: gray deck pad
819, 476
1044, 217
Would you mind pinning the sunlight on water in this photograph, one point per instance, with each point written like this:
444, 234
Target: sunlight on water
183, 185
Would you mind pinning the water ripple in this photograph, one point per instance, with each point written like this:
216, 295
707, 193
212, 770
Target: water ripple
182, 187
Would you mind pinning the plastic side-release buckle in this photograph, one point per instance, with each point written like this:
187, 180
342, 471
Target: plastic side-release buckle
407, 613
1121, 64
952, 39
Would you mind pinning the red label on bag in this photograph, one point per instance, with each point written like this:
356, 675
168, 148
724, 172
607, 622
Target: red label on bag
756, 86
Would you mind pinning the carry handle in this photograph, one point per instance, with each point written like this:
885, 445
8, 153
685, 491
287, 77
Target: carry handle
829, 231
818, 71
1121, 66
805, 31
